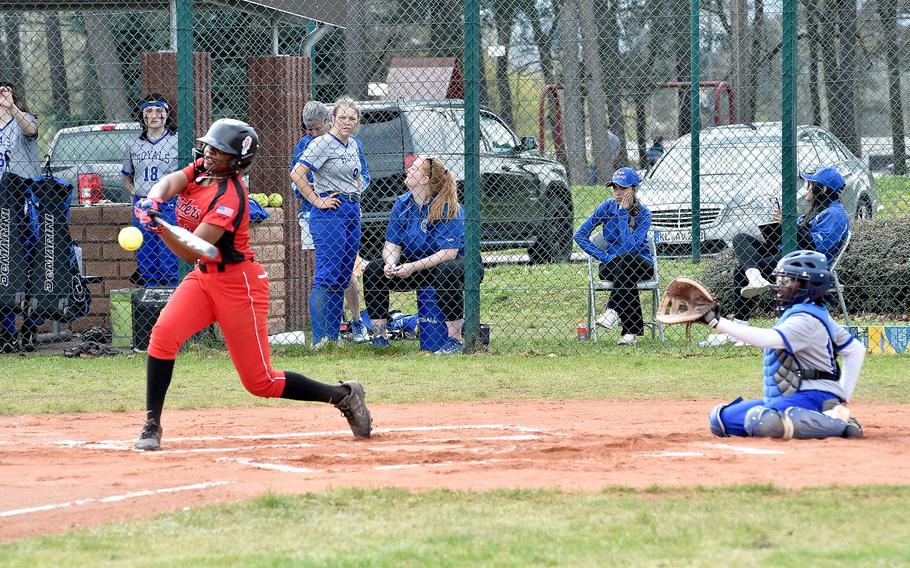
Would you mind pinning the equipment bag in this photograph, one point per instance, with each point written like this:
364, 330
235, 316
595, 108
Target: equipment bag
14, 234
57, 288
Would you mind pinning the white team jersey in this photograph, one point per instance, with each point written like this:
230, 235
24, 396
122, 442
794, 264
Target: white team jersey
147, 161
335, 165
18, 152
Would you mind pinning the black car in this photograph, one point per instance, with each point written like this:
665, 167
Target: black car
525, 200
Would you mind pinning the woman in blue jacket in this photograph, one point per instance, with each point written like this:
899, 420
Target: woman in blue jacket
424, 246
822, 229
625, 259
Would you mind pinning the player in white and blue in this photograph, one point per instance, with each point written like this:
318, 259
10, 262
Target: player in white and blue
334, 159
805, 389
149, 157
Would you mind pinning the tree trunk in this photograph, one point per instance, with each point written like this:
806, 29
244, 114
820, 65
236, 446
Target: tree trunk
103, 48
356, 55
754, 67
887, 9
813, 38
544, 42
446, 30
504, 14
609, 34
55, 57
573, 118
601, 152
739, 20
683, 51
12, 61
841, 75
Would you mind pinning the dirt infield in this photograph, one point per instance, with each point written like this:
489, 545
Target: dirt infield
77, 470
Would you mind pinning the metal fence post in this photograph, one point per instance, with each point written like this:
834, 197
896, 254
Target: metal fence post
185, 103
472, 173
696, 130
788, 125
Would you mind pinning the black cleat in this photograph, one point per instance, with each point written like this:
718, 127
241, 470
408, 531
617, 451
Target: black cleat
150, 436
355, 410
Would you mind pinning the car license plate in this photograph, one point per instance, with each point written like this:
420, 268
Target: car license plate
676, 236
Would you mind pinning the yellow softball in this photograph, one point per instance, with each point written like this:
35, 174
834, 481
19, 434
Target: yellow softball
130, 238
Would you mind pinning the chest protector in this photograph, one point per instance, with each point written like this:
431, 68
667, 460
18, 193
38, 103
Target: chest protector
783, 372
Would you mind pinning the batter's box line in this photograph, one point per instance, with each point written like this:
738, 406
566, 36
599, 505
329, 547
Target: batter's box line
127, 445
724, 447
250, 462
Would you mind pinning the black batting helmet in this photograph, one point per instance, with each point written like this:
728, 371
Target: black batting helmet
233, 137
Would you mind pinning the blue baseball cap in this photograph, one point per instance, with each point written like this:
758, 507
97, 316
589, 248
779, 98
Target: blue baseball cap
626, 177
827, 177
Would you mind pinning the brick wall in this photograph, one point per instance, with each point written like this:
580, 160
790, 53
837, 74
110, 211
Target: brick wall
96, 230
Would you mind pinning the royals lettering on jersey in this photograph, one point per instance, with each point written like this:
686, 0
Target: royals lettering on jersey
223, 203
147, 161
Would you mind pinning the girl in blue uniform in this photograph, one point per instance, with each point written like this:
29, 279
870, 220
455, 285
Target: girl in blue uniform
625, 259
424, 246
334, 160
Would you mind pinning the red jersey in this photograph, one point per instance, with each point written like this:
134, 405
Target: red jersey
223, 204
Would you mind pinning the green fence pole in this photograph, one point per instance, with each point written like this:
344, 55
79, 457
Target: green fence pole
186, 111
789, 175
695, 119
472, 174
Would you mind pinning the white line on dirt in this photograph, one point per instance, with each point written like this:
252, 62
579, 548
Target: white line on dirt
124, 445
113, 498
745, 449
673, 454
270, 466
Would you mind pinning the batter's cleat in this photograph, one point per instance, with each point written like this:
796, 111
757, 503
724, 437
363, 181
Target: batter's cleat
150, 436
853, 429
381, 342
757, 285
355, 410
359, 333
608, 320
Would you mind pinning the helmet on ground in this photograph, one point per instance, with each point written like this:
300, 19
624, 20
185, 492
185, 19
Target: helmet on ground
800, 277
233, 137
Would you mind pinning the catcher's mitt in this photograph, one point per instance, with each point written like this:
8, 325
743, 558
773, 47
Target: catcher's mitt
685, 301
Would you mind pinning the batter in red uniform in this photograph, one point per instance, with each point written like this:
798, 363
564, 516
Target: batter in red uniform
231, 289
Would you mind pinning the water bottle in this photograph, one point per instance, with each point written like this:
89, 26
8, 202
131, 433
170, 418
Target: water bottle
582, 330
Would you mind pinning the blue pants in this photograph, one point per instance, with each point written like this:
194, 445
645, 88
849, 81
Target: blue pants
156, 264
734, 415
336, 237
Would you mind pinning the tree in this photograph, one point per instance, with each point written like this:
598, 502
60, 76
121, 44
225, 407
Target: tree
600, 131
682, 49
103, 49
573, 124
609, 36
57, 62
813, 37
840, 61
11, 56
887, 10
504, 12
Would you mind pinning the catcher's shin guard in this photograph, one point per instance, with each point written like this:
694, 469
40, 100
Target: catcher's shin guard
762, 422
808, 424
714, 419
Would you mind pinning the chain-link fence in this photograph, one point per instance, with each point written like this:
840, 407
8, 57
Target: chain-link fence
460, 183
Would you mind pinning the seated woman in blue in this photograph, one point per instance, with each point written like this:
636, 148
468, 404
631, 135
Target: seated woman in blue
625, 258
424, 246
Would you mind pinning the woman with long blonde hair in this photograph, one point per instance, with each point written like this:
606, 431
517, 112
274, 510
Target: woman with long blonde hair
424, 246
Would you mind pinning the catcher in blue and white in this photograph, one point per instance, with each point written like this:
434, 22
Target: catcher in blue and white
805, 388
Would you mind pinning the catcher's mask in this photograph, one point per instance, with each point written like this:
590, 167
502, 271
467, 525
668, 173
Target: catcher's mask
232, 137
800, 277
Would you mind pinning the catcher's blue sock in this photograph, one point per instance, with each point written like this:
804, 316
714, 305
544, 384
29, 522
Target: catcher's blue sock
299, 387
158, 373
319, 306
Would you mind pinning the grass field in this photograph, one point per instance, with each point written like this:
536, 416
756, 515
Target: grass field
742, 526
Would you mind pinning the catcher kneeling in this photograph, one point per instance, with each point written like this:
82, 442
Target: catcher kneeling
805, 389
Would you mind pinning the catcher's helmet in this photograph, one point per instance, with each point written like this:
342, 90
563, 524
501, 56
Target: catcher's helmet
233, 137
810, 275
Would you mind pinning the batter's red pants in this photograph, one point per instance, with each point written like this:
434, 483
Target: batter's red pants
238, 300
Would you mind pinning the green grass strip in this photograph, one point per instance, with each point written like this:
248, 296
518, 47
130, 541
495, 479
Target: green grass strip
733, 526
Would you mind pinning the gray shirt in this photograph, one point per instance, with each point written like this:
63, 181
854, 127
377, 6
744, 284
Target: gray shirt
808, 340
18, 152
147, 161
335, 165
